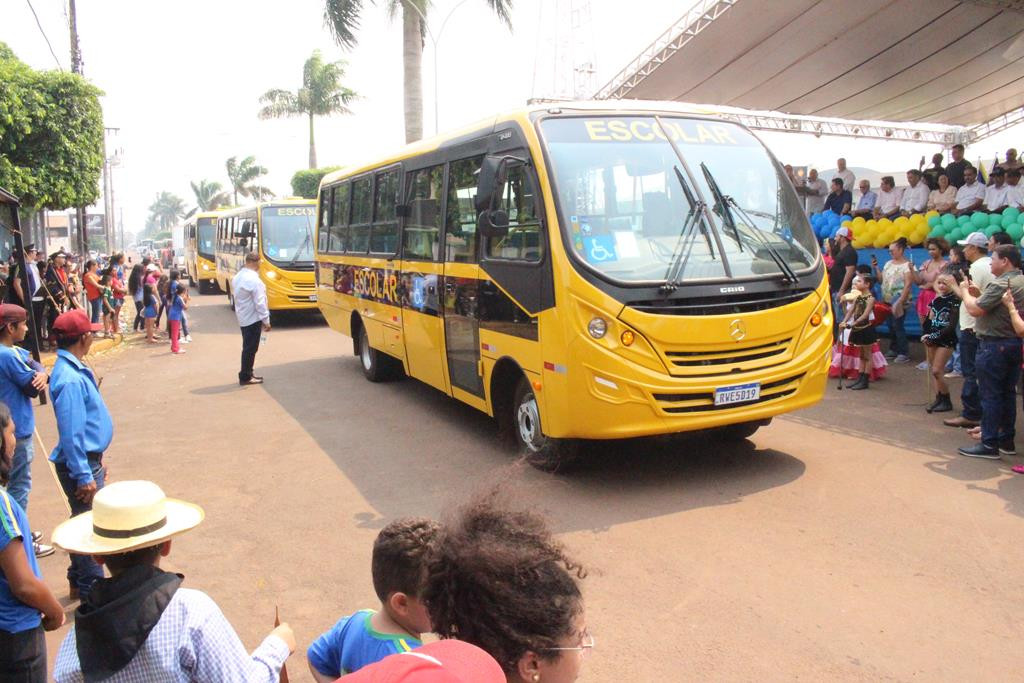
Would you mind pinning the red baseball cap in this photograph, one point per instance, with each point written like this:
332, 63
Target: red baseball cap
73, 324
12, 313
444, 661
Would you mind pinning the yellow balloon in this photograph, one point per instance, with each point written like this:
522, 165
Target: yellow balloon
858, 222
931, 213
885, 224
901, 222
881, 242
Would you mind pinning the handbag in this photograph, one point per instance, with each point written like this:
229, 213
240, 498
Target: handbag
881, 312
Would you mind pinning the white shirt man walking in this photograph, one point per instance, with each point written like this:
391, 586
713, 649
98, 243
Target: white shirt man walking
250, 296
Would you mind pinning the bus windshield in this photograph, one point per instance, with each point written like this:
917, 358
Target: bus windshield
635, 211
287, 234
206, 231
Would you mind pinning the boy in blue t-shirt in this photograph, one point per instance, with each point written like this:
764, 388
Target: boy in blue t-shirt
23, 595
398, 568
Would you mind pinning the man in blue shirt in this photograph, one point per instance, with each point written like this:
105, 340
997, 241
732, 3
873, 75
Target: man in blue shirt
85, 431
839, 200
866, 204
21, 380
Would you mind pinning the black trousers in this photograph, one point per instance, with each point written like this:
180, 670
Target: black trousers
23, 656
139, 323
250, 345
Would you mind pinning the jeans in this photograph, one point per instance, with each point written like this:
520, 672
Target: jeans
83, 570
998, 368
95, 307
184, 325
20, 482
23, 656
140, 323
970, 402
250, 345
899, 344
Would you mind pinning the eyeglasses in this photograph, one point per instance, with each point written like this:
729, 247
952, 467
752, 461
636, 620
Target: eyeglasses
586, 645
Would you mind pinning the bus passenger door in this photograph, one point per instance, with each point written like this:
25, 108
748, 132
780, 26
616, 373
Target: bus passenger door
462, 283
423, 276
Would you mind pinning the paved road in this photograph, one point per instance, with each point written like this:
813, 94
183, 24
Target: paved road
847, 542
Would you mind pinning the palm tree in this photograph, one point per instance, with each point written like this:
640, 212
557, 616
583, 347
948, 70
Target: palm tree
342, 16
209, 195
166, 209
321, 94
241, 175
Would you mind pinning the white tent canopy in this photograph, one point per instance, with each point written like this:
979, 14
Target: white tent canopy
922, 61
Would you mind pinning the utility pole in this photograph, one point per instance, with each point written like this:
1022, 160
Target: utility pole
76, 67
109, 162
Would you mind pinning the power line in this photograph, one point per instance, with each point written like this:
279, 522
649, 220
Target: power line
59, 67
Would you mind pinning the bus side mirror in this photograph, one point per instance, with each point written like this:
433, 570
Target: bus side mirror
244, 242
492, 223
489, 181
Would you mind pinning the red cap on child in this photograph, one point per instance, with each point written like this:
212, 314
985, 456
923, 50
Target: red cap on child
12, 313
445, 661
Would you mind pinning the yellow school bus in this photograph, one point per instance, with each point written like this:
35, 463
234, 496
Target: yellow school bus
282, 233
200, 258
582, 271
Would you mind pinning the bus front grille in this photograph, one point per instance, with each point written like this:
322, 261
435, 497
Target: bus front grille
702, 402
721, 305
714, 360
304, 285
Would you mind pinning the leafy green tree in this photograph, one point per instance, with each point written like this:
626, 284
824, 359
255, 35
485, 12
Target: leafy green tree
166, 209
242, 176
306, 183
342, 16
321, 94
209, 195
51, 136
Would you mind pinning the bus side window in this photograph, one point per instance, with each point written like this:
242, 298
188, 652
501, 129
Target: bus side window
384, 236
339, 219
362, 211
323, 224
519, 200
423, 226
460, 223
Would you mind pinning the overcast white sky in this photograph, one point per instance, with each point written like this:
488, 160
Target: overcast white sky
183, 81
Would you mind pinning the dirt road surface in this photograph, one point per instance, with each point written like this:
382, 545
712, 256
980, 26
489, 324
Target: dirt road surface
846, 542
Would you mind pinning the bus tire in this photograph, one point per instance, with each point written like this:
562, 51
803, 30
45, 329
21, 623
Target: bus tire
377, 366
205, 287
540, 451
740, 431
231, 299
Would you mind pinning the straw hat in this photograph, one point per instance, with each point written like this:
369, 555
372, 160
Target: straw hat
125, 516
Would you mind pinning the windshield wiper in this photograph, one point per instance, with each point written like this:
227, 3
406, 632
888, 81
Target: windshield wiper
684, 245
725, 201
308, 239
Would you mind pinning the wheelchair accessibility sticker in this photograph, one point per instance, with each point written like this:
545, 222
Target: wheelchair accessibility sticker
600, 249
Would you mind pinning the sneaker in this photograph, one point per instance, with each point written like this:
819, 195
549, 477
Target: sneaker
43, 550
179, 351
188, 338
901, 359
980, 451
953, 374
923, 365
37, 536
1007, 448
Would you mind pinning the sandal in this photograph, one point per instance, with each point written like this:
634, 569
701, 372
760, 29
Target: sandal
1019, 469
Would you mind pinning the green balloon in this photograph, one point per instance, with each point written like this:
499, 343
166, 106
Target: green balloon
1012, 211
992, 229
948, 220
979, 220
1006, 221
1016, 232
933, 221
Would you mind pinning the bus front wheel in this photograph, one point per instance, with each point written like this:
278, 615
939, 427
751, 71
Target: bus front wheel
542, 452
377, 366
231, 299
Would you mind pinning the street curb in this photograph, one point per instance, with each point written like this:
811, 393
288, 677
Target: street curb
99, 346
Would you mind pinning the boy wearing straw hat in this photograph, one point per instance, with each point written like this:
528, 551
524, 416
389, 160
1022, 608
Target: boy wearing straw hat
140, 624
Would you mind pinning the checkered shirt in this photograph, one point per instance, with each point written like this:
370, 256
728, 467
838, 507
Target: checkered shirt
193, 641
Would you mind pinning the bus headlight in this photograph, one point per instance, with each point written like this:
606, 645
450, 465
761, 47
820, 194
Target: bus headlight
206, 267
597, 328
271, 275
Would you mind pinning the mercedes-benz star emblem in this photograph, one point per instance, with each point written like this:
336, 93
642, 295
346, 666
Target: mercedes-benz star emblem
737, 329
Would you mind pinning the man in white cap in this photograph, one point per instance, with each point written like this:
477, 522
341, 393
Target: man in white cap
976, 251
140, 624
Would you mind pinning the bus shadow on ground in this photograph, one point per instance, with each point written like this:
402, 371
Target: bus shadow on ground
410, 450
